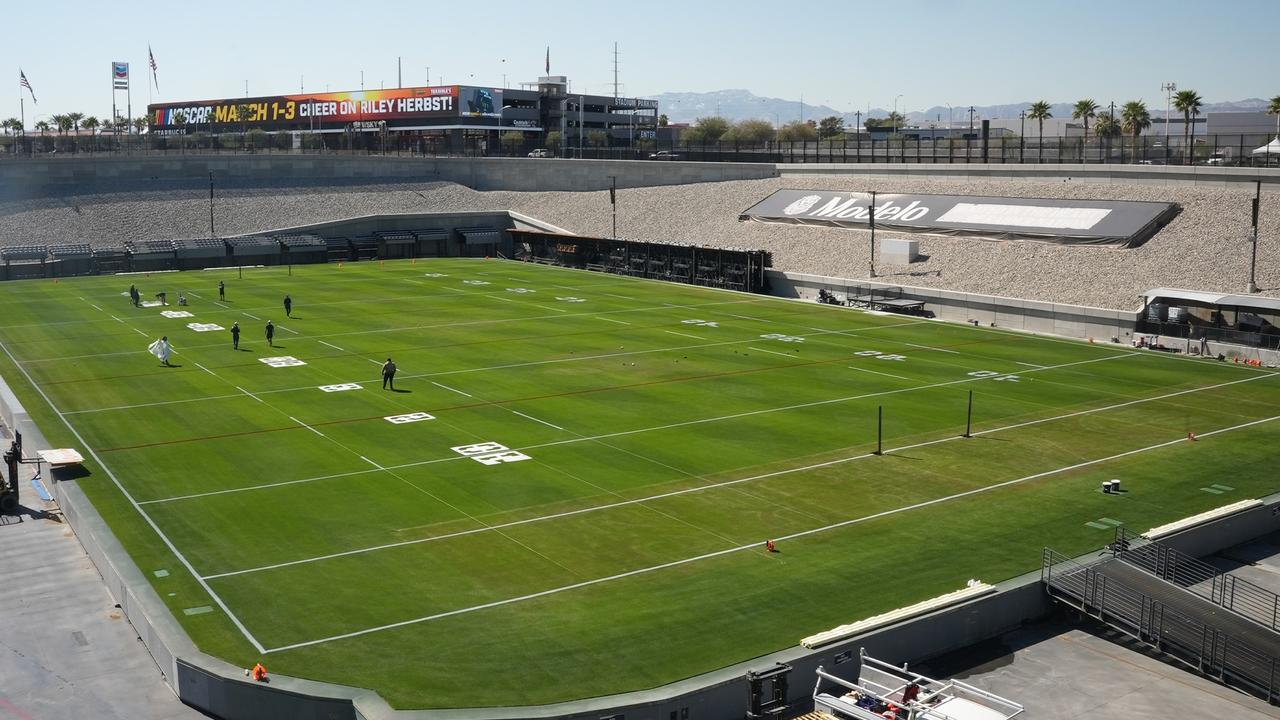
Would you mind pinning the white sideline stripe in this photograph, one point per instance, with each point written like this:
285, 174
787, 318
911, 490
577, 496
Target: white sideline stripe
620, 322
877, 372
673, 332
308, 427
446, 387
673, 493
1027, 364
119, 486
250, 315
335, 347
544, 422
756, 545
771, 352
623, 297
246, 392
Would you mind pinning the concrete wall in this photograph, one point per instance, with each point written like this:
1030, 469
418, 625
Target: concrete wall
1200, 175
25, 178
1075, 321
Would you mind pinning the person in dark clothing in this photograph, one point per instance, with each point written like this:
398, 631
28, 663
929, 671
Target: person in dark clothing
271, 333
235, 336
288, 306
222, 290
389, 374
134, 296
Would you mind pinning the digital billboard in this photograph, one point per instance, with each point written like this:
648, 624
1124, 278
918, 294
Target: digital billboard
304, 110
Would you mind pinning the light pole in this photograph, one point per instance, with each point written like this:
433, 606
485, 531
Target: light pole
1022, 137
872, 219
894, 118
1169, 89
971, 112
1253, 256
428, 67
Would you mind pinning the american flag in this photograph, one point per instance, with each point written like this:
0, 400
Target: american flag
151, 60
23, 82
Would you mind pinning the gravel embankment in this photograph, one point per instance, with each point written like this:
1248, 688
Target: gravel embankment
1204, 248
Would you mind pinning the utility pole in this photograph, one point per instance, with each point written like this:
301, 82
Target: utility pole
1169, 89
1022, 136
872, 219
971, 112
428, 74
399, 74
1253, 255
613, 203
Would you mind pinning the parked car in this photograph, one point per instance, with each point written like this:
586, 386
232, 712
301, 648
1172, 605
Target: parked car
540, 153
664, 155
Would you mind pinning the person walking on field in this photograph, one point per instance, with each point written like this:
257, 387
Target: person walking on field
222, 290
161, 349
389, 375
271, 333
235, 336
134, 296
288, 306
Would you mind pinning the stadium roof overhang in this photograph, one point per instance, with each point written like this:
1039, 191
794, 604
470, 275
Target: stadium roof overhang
1244, 302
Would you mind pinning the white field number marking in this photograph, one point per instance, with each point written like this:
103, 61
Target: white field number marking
703, 323
520, 290
340, 387
283, 361
408, 418
434, 275
176, 313
782, 338
1001, 377
490, 453
205, 327
476, 282
881, 356
570, 299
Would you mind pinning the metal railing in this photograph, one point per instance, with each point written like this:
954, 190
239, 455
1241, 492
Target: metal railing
1212, 652
1199, 578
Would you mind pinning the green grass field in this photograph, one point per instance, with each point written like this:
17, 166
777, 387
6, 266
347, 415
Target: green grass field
648, 437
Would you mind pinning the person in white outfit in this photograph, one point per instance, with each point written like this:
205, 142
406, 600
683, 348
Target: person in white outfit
161, 349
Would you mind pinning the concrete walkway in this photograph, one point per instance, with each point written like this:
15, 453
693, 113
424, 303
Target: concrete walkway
66, 652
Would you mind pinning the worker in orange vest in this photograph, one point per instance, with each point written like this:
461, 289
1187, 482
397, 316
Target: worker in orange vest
259, 673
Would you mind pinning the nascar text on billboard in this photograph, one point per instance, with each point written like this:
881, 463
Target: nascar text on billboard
299, 110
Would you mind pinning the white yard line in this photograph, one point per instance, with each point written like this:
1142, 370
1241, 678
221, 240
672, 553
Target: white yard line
113, 317
372, 462
620, 322
129, 497
140, 333
1027, 364
673, 493
95, 307
771, 352
877, 372
499, 297
746, 317
295, 332
250, 315
544, 422
215, 302
335, 347
246, 392
756, 545
207, 370
673, 332
310, 428
446, 387
621, 297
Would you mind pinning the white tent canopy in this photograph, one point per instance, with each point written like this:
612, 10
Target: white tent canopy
1271, 148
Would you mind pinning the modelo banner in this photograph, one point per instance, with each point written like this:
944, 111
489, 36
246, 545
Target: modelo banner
1119, 223
300, 111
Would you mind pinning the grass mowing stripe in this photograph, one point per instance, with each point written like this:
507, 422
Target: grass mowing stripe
756, 545
673, 493
128, 497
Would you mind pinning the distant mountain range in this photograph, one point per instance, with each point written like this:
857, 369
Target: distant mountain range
735, 105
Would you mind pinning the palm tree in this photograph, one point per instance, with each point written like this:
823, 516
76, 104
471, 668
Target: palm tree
1274, 109
92, 124
1134, 119
11, 124
1084, 110
63, 122
1188, 103
43, 126
75, 118
1039, 111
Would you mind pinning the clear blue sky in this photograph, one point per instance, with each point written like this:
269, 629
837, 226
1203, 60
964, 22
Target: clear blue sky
843, 54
